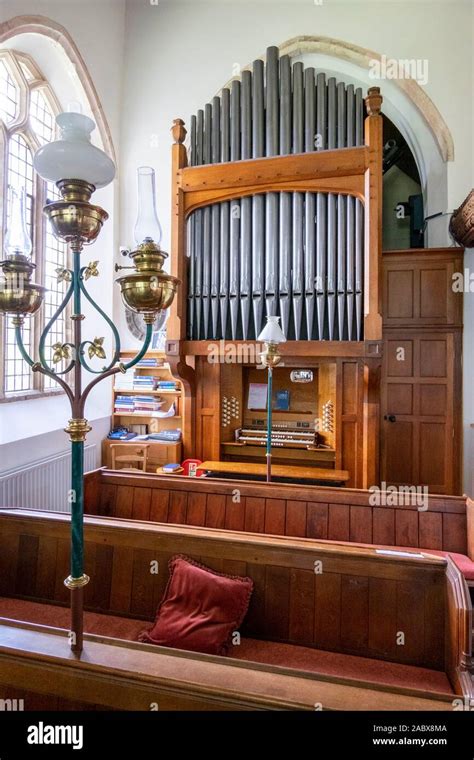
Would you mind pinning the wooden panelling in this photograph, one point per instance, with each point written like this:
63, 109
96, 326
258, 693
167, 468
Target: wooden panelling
430, 530
382, 622
383, 526
339, 523
296, 516
196, 512
255, 515
159, 506
46, 567
301, 615
234, 513
215, 511
141, 504
417, 289
355, 613
177, 507
317, 520
277, 602
27, 563
351, 515
327, 610
406, 527
275, 513
360, 525
124, 503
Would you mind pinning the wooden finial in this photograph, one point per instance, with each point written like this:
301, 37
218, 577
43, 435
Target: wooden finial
178, 131
373, 101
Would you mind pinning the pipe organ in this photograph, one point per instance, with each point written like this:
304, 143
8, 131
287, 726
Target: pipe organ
299, 255
276, 210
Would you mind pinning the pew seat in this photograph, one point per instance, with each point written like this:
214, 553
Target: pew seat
288, 656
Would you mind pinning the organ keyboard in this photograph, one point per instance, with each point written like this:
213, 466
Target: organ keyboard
283, 436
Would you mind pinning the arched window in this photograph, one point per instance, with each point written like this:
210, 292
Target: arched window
28, 108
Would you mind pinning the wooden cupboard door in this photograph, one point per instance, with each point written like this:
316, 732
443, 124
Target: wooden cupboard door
417, 288
418, 411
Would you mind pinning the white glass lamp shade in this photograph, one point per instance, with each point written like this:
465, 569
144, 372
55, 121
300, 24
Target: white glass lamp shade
147, 226
272, 332
17, 239
73, 156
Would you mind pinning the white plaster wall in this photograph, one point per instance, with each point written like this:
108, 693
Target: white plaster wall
34, 428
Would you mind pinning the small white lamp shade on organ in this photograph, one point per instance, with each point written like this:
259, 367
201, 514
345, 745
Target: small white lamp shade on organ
272, 332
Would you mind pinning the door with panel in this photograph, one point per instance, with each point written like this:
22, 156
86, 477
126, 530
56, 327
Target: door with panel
420, 410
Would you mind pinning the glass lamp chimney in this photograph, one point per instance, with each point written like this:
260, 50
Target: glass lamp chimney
147, 226
17, 239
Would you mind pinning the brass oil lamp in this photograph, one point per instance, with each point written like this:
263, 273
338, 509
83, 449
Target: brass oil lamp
147, 289
18, 295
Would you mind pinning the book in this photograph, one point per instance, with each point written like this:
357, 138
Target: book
282, 400
171, 467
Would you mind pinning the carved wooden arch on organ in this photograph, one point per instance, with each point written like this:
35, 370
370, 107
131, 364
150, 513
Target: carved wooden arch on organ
254, 149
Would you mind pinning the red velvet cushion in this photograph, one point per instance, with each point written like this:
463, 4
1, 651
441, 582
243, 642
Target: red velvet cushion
200, 608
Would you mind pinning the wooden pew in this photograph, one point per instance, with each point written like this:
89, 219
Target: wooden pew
339, 514
354, 608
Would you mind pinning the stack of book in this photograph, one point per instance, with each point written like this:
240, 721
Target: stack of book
150, 362
144, 382
146, 404
167, 385
124, 404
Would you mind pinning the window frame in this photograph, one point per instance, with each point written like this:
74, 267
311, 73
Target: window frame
21, 125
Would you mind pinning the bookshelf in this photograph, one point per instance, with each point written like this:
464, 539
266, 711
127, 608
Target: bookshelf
138, 403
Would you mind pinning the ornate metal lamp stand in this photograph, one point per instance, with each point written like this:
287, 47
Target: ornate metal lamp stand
146, 290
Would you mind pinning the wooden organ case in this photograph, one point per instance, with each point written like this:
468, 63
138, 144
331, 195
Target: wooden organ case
277, 210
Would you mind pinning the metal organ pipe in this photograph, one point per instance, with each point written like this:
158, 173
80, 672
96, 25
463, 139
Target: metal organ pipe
246, 206
224, 218
215, 220
300, 255
298, 202
321, 211
235, 208
271, 199
310, 202
284, 269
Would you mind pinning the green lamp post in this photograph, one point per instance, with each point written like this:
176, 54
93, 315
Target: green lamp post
272, 335
78, 168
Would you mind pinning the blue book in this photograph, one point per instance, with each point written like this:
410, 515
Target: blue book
282, 401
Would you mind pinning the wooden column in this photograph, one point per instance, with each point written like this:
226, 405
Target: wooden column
176, 326
177, 320
373, 216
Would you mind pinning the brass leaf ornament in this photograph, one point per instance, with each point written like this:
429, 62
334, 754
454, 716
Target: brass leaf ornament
91, 270
96, 349
60, 351
64, 275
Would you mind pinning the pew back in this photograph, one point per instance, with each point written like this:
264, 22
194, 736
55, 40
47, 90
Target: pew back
339, 514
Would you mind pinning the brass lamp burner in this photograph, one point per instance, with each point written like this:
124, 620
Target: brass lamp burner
18, 295
270, 357
74, 219
147, 289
